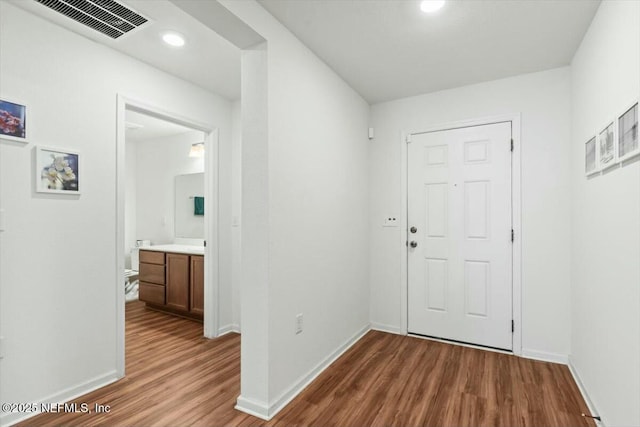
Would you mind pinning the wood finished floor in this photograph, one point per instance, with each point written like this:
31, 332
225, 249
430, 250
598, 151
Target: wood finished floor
177, 378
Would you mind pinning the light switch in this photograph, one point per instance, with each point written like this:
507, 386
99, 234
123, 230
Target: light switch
390, 221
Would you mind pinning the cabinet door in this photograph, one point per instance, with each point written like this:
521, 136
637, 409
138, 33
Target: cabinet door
178, 281
197, 284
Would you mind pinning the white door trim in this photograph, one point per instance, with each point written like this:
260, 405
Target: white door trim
516, 215
211, 288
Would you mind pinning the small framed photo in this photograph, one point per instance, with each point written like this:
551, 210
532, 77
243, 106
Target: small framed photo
13, 121
590, 161
628, 134
607, 147
57, 171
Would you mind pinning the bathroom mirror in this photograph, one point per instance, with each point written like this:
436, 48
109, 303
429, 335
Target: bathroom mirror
189, 206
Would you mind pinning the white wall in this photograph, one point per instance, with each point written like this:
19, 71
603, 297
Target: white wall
130, 202
317, 211
188, 188
543, 100
236, 210
58, 280
605, 345
158, 162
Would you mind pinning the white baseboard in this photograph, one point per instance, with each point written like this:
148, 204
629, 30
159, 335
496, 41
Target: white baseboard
259, 410
253, 407
545, 356
62, 397
387, 328
583, 391
278, 404
228, 329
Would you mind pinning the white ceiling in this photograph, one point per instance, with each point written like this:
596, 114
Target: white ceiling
141, 127
207, 59
390, 49
385, 49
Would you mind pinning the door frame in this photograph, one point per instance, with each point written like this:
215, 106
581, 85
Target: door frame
516, 215
211, 226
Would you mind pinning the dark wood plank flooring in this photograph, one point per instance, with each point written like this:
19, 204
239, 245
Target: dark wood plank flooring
177, 378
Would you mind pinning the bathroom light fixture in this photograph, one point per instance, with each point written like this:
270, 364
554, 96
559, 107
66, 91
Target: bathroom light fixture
430, 6
197, 150
133, 126
173, 38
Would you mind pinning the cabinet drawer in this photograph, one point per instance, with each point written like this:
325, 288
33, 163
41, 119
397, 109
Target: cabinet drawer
152, 273
152, 257
151, 293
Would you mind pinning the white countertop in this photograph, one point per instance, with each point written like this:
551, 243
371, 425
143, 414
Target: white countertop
177, 249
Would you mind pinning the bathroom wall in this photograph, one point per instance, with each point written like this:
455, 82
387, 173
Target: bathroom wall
157, 162
130, 202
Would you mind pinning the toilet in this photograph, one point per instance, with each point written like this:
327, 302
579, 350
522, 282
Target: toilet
135, 259
131, 275
135, 255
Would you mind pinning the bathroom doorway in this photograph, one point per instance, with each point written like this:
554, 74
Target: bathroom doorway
167, 221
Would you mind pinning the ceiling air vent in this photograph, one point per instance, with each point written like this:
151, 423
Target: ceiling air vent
107, 16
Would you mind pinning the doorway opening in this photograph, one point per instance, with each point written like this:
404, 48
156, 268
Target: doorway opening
167, 219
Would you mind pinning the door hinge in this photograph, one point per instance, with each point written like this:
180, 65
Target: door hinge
511, 144
513, 326
513, 235
205, 243
407, 139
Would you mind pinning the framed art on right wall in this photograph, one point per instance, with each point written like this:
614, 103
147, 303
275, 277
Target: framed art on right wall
590, 159
628, 134
607, 147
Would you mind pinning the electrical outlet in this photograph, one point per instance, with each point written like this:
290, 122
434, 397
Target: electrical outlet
299, 321
390, 221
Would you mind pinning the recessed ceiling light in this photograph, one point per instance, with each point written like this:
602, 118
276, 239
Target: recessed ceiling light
173, 39
430, 6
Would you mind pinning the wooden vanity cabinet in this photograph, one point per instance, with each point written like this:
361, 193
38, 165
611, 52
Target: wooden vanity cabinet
196, 284
178, 281
151, 287
172, 282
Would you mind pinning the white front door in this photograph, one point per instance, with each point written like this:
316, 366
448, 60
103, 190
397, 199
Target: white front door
459, 237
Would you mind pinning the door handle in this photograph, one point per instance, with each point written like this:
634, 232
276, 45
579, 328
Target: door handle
413, 230
413, 244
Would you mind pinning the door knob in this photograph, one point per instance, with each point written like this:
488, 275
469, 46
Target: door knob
413, 230
413, 244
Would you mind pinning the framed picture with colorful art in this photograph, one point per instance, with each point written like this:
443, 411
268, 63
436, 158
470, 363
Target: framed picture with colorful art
13, 120
57, 171
628, 146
